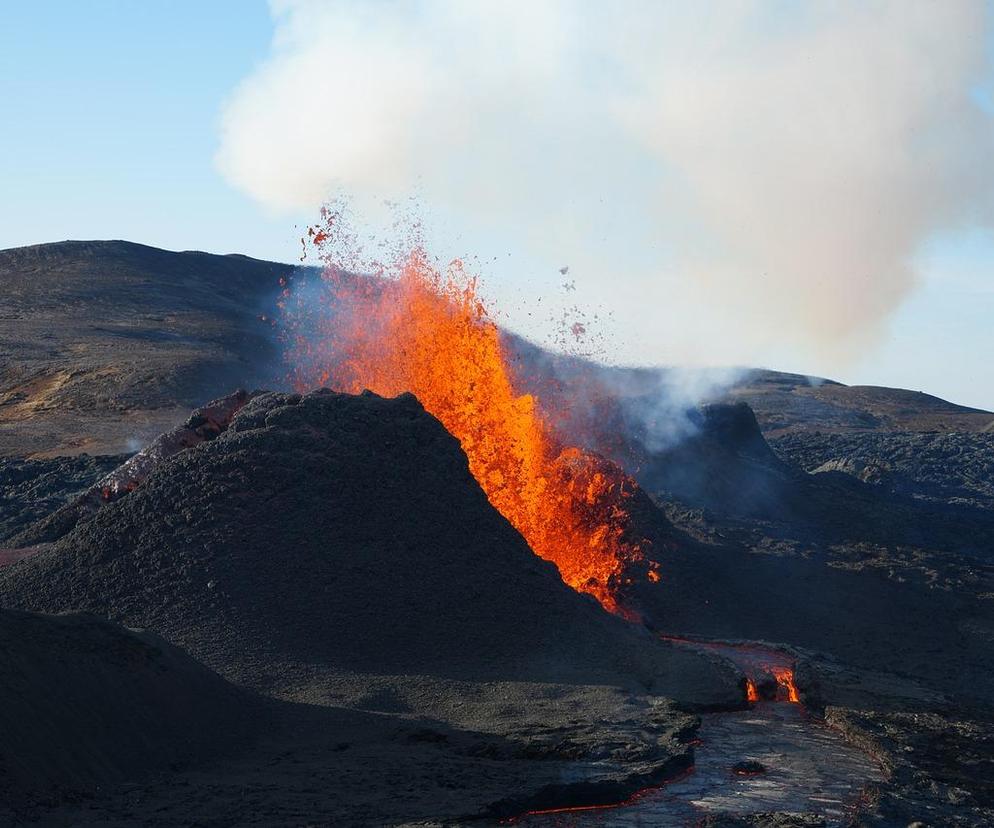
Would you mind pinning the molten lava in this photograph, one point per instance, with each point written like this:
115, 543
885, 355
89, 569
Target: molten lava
429, 333
756, 661
785, 678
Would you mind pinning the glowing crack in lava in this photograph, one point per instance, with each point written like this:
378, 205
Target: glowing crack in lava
429, 333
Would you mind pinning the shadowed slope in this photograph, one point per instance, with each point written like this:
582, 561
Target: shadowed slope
85, 705
332, 532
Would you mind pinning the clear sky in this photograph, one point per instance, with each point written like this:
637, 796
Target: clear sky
112, 126
110, 118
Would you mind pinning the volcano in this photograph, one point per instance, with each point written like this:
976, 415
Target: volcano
421, 582
331, 532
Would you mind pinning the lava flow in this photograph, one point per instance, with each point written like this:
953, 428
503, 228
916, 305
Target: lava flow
758, 663
429, 333
785, 679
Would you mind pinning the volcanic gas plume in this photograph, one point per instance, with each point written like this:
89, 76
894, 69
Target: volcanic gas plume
429, 333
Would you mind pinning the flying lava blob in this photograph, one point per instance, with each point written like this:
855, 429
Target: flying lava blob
428, 332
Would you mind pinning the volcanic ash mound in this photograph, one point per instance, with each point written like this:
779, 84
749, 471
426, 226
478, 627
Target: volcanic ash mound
329, 533
85, 704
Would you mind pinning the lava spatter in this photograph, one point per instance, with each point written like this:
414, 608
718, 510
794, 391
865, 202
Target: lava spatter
429, 333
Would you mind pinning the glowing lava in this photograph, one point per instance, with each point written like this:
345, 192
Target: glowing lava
429, 333
785, 678
756, 661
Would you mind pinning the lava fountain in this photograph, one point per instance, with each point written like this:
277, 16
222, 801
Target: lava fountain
428, 332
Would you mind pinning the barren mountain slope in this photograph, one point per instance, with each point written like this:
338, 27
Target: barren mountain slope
105, 344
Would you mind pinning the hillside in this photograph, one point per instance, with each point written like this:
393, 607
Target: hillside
788, 403
106, 344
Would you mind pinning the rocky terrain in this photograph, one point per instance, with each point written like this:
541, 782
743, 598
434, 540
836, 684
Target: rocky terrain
951, 468
86, 705
334, 551
33, 489
382, 646
105, 344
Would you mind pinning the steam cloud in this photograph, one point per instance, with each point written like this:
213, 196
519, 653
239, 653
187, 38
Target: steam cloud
724, 177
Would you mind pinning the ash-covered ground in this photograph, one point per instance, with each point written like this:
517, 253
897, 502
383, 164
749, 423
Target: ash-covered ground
342, 630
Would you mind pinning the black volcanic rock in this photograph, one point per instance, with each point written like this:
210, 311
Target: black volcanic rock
85, 704
31, 489
204, 424
334, 532
724, 464
955, 468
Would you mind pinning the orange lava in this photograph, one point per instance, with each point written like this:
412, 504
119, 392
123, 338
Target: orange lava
572, 809
785, 678
429, 333
755, 661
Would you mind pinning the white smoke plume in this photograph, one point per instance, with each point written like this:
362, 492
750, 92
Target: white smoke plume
728, 179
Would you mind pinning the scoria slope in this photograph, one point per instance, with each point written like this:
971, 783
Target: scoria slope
330, 533
85, 705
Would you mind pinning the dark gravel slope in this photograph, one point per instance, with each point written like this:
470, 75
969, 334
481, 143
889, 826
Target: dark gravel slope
333, 532
85, 704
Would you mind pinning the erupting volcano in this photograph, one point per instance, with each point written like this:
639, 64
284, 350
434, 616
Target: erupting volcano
429, 333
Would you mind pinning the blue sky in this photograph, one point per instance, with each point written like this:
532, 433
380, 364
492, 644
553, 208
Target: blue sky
111, 128
110, 123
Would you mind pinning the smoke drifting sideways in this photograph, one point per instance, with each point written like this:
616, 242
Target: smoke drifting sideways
328, 319
732, 183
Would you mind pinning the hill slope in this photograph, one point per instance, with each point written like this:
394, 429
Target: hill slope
85, 704
105, 344
331, 533
789, 403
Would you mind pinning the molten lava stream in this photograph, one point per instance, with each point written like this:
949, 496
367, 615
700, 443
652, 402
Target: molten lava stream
755, 661
631, 800
785, 678
430, 334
